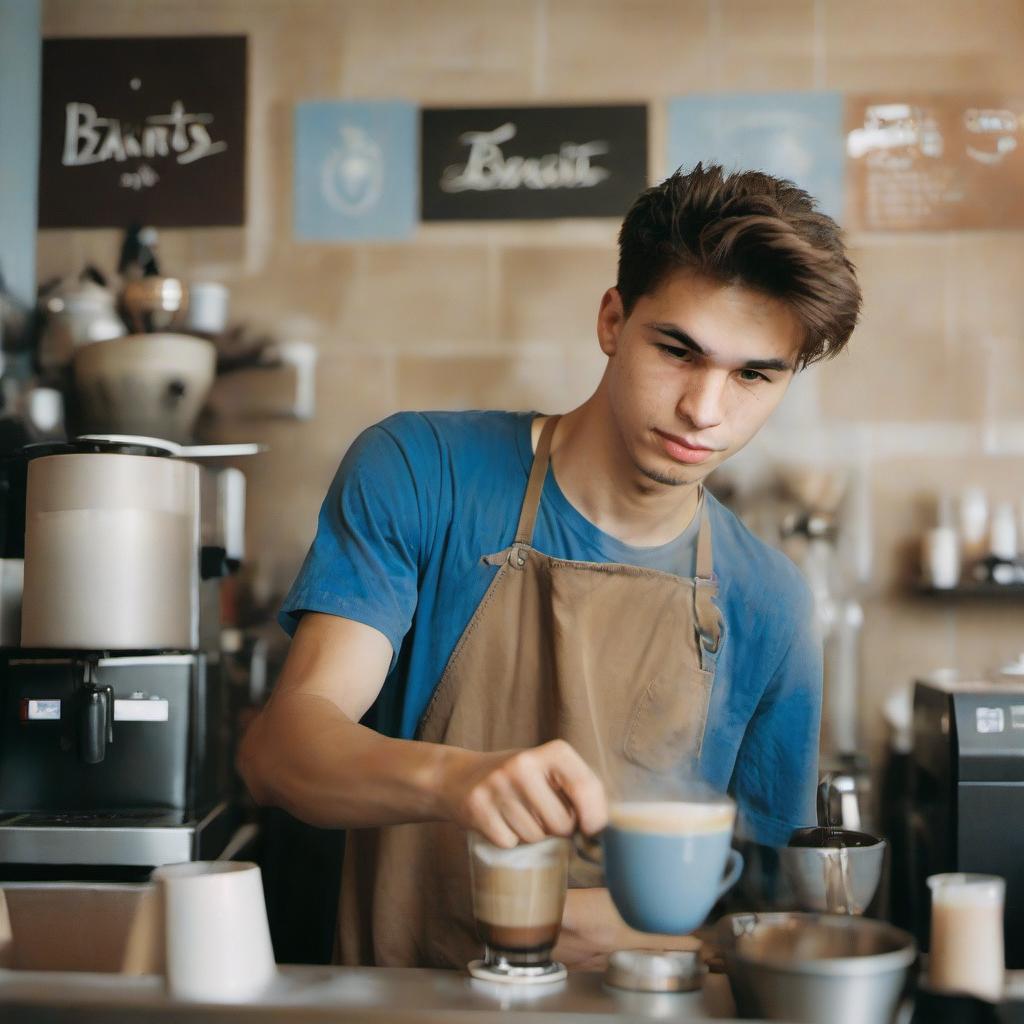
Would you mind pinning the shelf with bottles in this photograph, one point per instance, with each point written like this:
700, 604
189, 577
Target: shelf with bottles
972, 589
976, 553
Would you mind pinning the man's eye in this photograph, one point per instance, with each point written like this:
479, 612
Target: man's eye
752, 376
682, 354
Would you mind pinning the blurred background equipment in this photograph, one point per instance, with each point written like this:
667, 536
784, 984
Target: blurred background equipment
966, 794
153, 385
154, 303
74, 313
142, 356
117, 716
810, 535
15, 321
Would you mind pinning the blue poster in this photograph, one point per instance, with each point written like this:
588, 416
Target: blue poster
356, 173
794, 135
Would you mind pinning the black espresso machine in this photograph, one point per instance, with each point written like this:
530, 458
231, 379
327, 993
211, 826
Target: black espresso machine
966, 798
115, 716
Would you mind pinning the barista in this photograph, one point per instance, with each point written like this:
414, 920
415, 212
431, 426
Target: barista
501, 614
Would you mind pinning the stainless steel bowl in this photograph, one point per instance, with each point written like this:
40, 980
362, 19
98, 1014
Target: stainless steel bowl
815, 967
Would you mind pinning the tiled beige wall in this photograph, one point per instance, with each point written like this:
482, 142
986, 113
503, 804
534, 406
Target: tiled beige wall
930, 394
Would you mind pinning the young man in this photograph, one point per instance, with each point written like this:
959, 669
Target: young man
524, 611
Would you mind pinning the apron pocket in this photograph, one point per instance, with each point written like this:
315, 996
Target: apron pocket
667, 727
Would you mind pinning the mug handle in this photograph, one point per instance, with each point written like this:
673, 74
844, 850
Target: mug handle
732, 873
589, 849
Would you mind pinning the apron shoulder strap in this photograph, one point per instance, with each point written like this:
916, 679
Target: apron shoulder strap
535, 485
705, 586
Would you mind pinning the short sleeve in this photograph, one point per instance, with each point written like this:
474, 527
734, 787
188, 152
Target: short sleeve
363, 562
777, 766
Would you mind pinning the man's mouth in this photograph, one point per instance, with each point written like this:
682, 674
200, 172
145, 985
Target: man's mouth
682, 450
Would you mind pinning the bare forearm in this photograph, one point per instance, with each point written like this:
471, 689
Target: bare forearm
306, 752
303, 754
592, 928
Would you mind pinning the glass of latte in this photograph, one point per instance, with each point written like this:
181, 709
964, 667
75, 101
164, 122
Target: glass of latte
518, 898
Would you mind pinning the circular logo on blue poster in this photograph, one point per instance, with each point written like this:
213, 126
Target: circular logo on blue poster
352, 176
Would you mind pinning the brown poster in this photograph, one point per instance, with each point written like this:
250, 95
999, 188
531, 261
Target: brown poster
146, 130
531, 163
934, 162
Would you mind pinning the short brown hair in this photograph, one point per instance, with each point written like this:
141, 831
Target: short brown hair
745, 228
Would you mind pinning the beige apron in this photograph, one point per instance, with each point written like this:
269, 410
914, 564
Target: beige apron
616, 659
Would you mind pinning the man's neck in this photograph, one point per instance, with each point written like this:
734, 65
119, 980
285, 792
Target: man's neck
598, 478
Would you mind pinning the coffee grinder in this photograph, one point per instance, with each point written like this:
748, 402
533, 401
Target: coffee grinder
966, 794
114, 726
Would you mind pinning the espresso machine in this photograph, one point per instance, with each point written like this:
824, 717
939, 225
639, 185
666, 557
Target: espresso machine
115, 717
12, 548
966, 794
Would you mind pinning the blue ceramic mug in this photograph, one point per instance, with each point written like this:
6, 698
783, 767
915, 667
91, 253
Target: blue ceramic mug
666, 862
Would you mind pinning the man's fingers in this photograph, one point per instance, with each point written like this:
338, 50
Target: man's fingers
582, 788
521, 821
495, 829
547, 805
525, 795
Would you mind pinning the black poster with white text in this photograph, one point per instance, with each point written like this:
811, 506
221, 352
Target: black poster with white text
147, 130
532, 163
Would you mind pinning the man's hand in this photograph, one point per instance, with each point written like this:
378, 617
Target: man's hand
307, 753
521, 796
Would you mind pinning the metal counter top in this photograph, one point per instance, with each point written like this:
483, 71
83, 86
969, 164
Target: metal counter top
352, 994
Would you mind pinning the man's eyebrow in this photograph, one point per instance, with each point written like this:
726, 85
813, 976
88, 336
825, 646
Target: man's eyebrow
684, 339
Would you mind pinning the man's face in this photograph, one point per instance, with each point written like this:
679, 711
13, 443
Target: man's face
694, 371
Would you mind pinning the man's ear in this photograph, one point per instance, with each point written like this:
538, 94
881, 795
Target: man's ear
610, 319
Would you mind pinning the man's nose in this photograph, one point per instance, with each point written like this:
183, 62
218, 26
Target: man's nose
702, 403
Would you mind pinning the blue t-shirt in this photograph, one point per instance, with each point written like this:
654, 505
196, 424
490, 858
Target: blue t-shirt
420, 498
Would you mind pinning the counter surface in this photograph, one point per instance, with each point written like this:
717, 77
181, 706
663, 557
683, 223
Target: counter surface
307, 993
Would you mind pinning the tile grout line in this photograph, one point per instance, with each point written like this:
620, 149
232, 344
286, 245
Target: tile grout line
888, 439
540, 48
495, 261
714, 46
259, 182
948, 313
820, 45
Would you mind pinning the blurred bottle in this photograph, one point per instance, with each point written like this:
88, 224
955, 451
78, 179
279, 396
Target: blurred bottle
1001, 565
940, 549
139, 249
973, 528
1003, 533
940, 557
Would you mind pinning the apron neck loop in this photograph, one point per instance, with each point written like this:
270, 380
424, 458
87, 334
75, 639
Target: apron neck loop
705, 564
538, 473
707, 615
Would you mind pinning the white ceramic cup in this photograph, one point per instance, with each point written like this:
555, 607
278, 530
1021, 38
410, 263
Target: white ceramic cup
940, 557
208, 305
217, 937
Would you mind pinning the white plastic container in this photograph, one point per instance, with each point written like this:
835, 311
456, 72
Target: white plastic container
217, 937
967, 952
